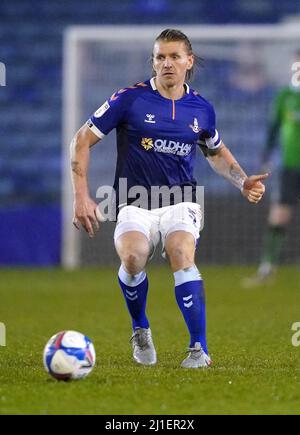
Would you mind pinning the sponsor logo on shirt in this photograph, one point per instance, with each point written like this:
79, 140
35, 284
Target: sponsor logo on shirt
147, 143
167, 146
102, 110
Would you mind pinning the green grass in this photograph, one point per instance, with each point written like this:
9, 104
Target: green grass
256, 368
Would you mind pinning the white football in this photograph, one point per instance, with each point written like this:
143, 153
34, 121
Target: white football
69, 355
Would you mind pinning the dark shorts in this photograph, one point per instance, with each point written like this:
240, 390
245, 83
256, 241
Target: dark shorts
289, 189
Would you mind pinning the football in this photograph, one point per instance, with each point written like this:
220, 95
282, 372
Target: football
69, 355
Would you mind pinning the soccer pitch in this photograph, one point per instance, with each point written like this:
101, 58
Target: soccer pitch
256, 368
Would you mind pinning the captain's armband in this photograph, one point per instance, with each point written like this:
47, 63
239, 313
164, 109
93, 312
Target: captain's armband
209, 152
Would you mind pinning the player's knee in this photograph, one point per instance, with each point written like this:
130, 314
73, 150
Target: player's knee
180, 249
134, 262
133, 251
180, 256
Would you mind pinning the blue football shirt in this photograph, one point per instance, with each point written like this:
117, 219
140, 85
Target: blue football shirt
156, 136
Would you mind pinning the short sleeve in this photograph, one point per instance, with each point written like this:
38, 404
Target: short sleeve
209, 135
108, 116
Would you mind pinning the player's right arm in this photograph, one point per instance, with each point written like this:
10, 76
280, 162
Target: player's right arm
84, 206
105, 119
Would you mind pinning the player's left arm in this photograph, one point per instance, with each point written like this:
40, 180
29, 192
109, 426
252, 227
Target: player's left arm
224, 163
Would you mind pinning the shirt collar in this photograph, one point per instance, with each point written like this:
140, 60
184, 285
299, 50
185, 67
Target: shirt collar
152, 83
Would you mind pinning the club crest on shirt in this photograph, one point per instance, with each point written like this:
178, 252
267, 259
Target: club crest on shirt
147, 143
195, 127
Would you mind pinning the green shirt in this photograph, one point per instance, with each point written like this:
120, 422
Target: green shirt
286, 114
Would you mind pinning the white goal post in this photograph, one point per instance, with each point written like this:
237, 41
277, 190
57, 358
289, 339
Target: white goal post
83, 49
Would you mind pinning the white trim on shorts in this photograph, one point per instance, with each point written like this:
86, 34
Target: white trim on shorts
125, 227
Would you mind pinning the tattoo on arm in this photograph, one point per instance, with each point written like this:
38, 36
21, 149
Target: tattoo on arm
237, 175
225, 164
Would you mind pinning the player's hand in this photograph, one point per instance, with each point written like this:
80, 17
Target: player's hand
253, 188
85, 215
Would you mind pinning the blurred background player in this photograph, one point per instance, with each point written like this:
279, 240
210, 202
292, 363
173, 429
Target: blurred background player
149, 117
284, 129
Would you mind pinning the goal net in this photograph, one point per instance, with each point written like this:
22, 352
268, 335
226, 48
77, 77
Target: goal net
243, 68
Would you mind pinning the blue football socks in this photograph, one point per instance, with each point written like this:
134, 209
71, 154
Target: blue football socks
135, 289
190, 296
